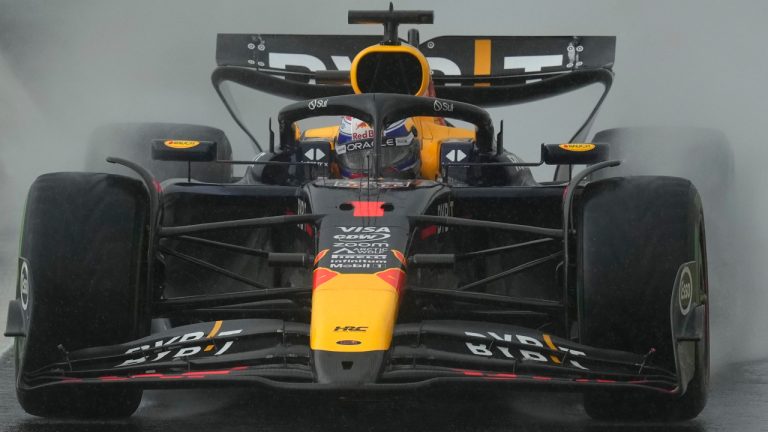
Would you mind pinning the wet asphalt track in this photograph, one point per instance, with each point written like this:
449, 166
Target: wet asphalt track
738, 402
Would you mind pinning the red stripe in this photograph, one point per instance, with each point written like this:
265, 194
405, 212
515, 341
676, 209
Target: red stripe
210, 372
503, 376
368, 208
192, 374
322, 275
428, 232
320, 255
394, 277
112, 378
399, 255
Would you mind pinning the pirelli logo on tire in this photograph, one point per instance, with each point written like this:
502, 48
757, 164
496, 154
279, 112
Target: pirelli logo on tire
685, 286
24, 285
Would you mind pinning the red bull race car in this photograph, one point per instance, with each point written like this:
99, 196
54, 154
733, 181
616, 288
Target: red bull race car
391, 249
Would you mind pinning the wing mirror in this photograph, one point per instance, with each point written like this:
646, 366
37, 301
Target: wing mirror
574, 153
184, 150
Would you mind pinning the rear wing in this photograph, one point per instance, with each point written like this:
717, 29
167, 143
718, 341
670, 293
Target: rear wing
486, 71
470, 62
449, 57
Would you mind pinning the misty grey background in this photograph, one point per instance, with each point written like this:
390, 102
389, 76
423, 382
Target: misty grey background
67, 67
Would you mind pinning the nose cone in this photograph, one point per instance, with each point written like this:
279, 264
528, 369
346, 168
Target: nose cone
348, 368
353, 313
353, 317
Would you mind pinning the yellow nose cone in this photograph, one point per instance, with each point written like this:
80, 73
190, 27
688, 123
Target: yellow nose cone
354, 312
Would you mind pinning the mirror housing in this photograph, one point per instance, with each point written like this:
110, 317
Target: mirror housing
574, 153
184, 150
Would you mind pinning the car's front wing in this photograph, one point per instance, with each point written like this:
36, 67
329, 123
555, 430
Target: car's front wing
277, 354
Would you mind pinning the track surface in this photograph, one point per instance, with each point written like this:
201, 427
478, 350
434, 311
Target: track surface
739, 402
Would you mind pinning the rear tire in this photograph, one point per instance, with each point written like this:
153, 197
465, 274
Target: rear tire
82, 247
701, 155
635, 234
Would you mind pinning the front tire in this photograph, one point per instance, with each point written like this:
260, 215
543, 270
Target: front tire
81, 283
635, 234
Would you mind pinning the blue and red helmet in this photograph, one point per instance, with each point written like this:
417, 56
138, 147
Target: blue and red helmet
400, 149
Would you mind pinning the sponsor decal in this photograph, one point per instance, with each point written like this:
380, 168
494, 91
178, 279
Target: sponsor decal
360, 229
348, 342
358, 261
354, 146
685, 290
166, 349
350, 238
181, 144
444, 209
317, 103
301, 208
577, 147
24, 285
448, 66
492, 345
367, 133
365, 141
358, 247
351, 329
440, 105
399, 141
390, 184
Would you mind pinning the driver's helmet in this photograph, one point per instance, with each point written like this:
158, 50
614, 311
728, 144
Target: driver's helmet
400, 149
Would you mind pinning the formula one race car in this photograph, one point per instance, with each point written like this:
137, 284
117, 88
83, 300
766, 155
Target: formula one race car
391, 250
